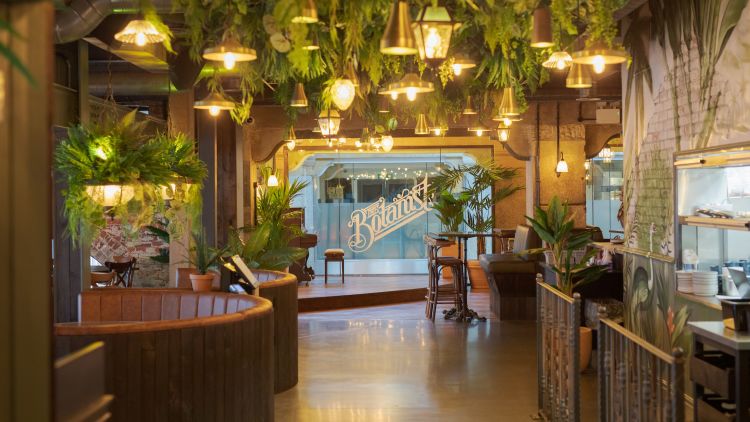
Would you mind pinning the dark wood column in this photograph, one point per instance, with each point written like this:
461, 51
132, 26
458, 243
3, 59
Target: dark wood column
216, 146
25, 216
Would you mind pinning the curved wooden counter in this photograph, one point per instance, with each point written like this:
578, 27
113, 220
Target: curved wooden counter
281, 289
179, 355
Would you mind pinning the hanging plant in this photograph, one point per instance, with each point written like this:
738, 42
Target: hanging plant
113, 169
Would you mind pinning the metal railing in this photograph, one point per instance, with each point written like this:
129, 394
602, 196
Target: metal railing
637, 380
558, 344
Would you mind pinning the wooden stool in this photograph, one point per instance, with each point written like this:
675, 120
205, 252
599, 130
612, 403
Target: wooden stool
334, 255
447, 293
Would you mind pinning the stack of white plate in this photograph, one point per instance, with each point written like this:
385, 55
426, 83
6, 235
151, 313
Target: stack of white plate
705, 283
685, 281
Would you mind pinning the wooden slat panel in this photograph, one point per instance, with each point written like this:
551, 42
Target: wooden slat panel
111, 308
91, 308
188, 306
205, 306
148, 377
151, 307
175, 376
120, 387
199, 364
161, 380
186, 370
132, 308
170, 307
209, 365
133, 394
220, 371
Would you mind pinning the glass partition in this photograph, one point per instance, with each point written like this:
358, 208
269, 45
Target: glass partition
604, 181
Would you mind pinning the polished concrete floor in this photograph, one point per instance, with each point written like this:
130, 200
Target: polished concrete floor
390, 364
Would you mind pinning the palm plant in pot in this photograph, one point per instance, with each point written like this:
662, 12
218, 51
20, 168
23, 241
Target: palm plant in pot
555, 227
253, 246
203, 258
485, 184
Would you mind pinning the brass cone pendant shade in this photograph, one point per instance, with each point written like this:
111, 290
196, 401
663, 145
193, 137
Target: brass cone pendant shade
508, 105
469, 109
579, 76
140, 32
421, 128
600, 53
214, 102
308, 13
230, 51
541, 37
558, 60
398, 38
299, 99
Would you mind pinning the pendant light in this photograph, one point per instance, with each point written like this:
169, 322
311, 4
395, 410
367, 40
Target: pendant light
558, 60
438, 130
229, 51
389, 92
299, 99
140, 32
508, 105
477, 127
329, 122
541, 36
312, 44
503, 132
411, 85
433, 30
398, 38
273, 181
383, 106
214, 102
562, 166
291, 139
469, 108
308, 13
599, 55
461, 62
342, 93
421, 128
578, 77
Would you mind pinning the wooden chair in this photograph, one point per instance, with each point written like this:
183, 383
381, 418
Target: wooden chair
447, 293
102, 279
334, 255
123, 267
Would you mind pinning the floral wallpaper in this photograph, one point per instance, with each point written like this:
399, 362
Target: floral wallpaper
686, 87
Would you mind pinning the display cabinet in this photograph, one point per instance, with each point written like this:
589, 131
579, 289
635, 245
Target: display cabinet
713, 209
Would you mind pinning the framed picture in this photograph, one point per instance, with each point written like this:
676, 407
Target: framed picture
244, 271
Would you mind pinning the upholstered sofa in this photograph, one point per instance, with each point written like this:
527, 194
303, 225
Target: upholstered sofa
511, 277
173, 354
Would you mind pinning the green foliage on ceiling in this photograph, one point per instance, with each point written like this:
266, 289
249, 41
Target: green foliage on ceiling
116, 152
493, 32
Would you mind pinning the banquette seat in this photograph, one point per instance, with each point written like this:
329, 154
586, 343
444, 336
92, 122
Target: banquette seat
173, 354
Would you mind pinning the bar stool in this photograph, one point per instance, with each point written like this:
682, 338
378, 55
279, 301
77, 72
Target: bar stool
334, 255
446, 293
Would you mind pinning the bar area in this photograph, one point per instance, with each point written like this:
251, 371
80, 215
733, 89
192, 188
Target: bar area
375, 210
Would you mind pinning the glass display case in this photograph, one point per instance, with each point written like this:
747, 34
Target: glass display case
713, 209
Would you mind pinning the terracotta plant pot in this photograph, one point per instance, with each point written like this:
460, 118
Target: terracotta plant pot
183, 277
585, 352
451, 250
202, 282
477, 276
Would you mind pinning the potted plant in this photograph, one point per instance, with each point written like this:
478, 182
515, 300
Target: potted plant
484, 184
252, 244
203, 257
555, 227
450, 209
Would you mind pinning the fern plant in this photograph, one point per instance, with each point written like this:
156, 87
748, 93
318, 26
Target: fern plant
253, 246
119, 153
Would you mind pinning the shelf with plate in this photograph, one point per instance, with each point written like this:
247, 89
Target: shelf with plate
741, 224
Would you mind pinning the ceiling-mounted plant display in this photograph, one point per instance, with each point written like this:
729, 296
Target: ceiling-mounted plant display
113, 170
344, 38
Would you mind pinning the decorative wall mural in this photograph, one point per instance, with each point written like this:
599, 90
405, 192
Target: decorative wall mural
377, 220
686, 88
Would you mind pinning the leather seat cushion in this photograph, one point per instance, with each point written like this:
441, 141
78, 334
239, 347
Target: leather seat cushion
334, 252
506, 263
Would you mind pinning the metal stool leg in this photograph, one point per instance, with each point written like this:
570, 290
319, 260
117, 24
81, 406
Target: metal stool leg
326, 276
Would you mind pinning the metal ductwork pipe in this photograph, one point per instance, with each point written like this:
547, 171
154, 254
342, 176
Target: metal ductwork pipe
83, 16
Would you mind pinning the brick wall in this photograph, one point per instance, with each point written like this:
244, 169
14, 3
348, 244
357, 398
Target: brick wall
112, 242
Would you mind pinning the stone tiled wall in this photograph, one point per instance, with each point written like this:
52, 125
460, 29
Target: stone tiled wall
113, 242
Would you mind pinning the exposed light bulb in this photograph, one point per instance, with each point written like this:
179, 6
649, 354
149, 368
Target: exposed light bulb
598, 63
504, 135
387, 143
140, 39
358, 143
290, 145
432, 43
411, 94
507, 121
214, 111
457, 68
229, 61
561, 65
480, 132
394, 96
273, 180
437, 131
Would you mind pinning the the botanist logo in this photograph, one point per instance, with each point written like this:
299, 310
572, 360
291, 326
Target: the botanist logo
376, 221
